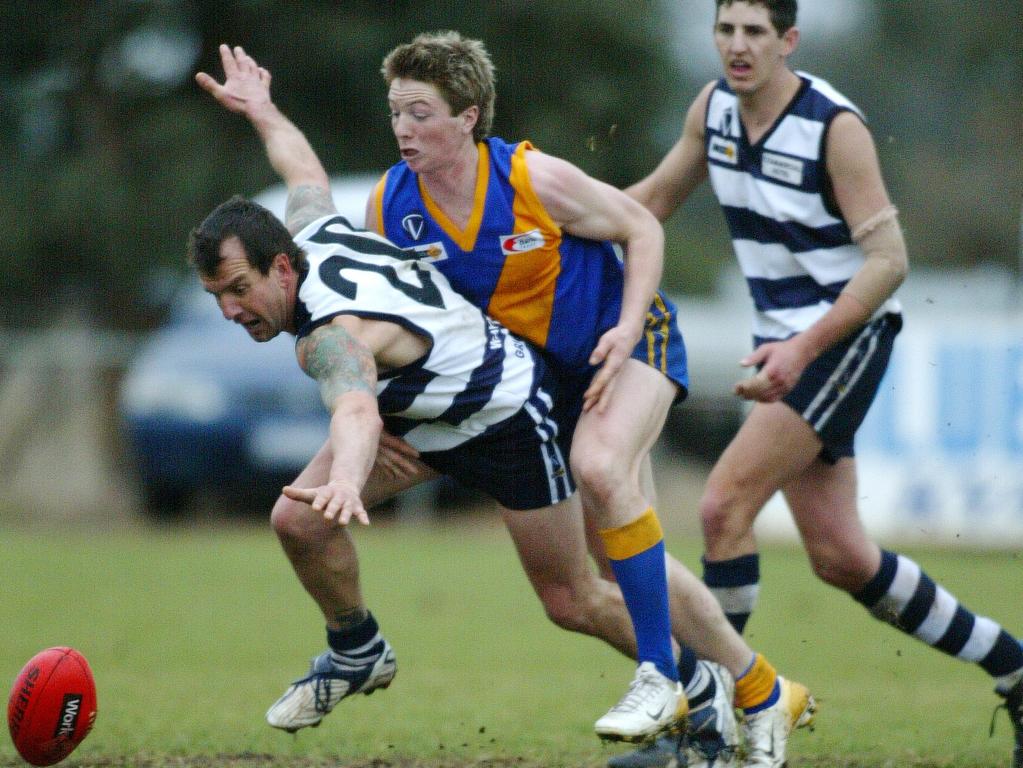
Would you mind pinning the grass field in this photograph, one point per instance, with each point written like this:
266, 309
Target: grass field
192, 633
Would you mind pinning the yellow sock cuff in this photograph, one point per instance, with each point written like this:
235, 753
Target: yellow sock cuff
633, 538
756, 685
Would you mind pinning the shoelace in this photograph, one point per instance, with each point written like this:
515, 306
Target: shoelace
321, 694
994, 716
322, 690
640, 690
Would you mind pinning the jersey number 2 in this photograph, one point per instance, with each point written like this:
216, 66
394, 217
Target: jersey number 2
330, 269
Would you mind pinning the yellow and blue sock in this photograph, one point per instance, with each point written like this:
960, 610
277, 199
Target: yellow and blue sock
636, 552
758, 687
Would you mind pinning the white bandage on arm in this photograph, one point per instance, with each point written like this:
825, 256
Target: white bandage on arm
886, 262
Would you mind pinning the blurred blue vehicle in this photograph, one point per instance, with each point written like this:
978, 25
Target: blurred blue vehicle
204, 409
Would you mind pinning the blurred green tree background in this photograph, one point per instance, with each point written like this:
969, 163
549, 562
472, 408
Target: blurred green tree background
111, 153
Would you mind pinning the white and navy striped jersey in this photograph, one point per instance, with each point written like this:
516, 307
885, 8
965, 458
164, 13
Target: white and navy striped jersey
475, 375
793, 246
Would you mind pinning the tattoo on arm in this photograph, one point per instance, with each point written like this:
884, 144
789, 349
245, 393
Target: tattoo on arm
307, 203
339, 362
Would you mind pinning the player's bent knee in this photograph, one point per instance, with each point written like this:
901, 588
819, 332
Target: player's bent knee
599, 472
288, 519
839, 568
720, 520
565, 608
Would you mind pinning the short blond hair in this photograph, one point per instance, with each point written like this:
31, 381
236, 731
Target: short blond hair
459, 68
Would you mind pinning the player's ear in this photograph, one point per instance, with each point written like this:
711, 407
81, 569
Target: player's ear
282, 266
791, 40
469, 116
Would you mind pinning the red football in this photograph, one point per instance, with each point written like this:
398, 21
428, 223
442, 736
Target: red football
52, 705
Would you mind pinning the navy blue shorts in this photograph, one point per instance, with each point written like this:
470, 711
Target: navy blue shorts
836, 390
522, 463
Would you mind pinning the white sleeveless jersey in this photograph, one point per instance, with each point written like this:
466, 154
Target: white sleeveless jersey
792, 244
475, 375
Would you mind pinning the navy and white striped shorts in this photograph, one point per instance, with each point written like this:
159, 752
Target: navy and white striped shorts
836, 390
522, 463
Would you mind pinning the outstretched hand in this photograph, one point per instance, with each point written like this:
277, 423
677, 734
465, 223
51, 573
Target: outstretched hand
246, 85
337, 501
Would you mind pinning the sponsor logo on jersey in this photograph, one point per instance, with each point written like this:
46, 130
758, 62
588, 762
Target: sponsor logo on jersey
495, 334
413, 224
526, 241
723, 150
782, 168
430, 251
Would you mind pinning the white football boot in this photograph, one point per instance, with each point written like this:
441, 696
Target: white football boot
313, 696
767, 731
653, 704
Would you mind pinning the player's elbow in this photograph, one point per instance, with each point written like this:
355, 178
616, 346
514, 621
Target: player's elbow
646, 232
891, 270
886, 263
643, 193
356, 411
900, 268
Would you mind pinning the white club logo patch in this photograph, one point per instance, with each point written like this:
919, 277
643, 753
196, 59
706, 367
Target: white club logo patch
413, 224
782, 168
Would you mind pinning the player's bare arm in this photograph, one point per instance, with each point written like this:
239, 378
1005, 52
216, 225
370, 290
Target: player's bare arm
246, 91
346, 371
338, 361
872, 219
682, 170
307, 203
589, 208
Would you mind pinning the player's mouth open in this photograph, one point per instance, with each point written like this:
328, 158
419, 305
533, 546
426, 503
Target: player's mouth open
408, 153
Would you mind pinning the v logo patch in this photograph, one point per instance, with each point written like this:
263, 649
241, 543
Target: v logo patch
414, 224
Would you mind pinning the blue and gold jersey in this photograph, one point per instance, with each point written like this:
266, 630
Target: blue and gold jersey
512, 260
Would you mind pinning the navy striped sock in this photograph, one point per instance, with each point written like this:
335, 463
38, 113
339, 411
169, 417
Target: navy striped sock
902, 595
697, 682
342, 640
736, 585
686, 665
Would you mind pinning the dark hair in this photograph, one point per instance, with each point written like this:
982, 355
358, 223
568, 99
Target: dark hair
261, 233
458, 67
782, 12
